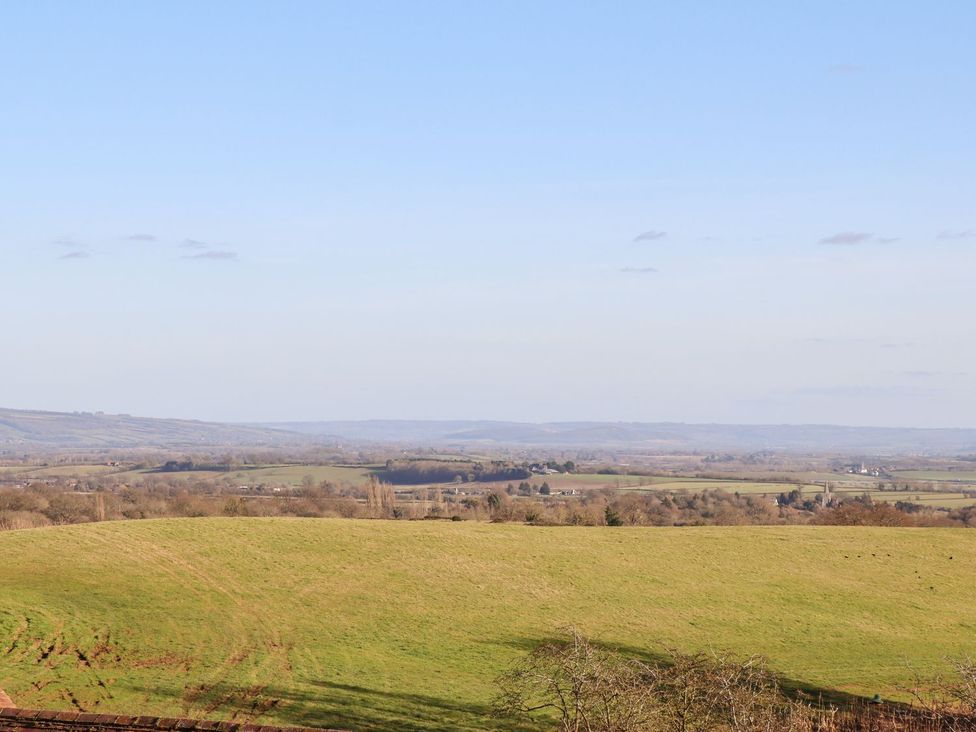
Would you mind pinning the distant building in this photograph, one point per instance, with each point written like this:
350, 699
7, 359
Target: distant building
862, 469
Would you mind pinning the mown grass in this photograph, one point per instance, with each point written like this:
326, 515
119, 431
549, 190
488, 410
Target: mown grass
403, 625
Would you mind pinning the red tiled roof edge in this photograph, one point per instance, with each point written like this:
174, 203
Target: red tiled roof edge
13, 718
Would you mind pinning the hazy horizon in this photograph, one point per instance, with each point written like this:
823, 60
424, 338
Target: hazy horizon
282, 423
749, 214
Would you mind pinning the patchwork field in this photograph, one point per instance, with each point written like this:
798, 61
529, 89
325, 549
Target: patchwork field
403, 625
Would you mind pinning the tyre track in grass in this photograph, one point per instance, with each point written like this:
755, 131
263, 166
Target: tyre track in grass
186, 578
57, 661
215, 692
276, 654
59, 657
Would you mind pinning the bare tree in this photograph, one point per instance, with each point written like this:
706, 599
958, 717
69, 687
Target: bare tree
949, 701
592, 689
588, 688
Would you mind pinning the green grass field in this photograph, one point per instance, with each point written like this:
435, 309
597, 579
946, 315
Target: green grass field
932, 500
956, 476
55, 471
284, 474
947, 498
403, 625
646, 484
696, 485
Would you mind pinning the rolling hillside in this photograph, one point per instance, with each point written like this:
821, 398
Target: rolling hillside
403, 625
30, 430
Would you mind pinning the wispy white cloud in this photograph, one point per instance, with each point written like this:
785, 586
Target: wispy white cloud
847, 238
141, 237
638, 270
861, 391
650, 236
77, 254
836, 340
216, 254
933, 374
962, 234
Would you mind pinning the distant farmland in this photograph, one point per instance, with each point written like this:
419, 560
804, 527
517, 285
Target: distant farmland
284, 474
942, 488
402, 625
952, 476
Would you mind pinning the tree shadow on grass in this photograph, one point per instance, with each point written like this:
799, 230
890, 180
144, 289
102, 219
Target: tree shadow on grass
343, 706
415, 711
811, 693
332, 705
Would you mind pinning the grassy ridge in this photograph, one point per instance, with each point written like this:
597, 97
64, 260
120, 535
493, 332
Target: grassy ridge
360, 623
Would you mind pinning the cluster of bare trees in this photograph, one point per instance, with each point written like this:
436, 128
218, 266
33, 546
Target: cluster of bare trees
380, 499
581, 687
862, 511
41, 504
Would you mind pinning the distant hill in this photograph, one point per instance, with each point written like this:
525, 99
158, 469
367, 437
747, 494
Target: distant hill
24, 430
21, 430
651, 436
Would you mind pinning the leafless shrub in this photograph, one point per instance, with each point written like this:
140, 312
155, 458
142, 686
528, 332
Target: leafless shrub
718, 691
948, 700
592, 689
11, 520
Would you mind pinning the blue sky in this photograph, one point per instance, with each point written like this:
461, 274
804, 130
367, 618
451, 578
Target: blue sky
730, 212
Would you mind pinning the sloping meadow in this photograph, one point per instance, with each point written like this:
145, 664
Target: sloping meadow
405, 625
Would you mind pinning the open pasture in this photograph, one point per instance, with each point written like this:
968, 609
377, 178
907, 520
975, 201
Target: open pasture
283, 474
295, 474
403, 625
945, 498
644, 483
949, 476
745, 487
22, 472
932, 500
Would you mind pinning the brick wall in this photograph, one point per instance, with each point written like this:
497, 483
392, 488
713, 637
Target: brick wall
34, 720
